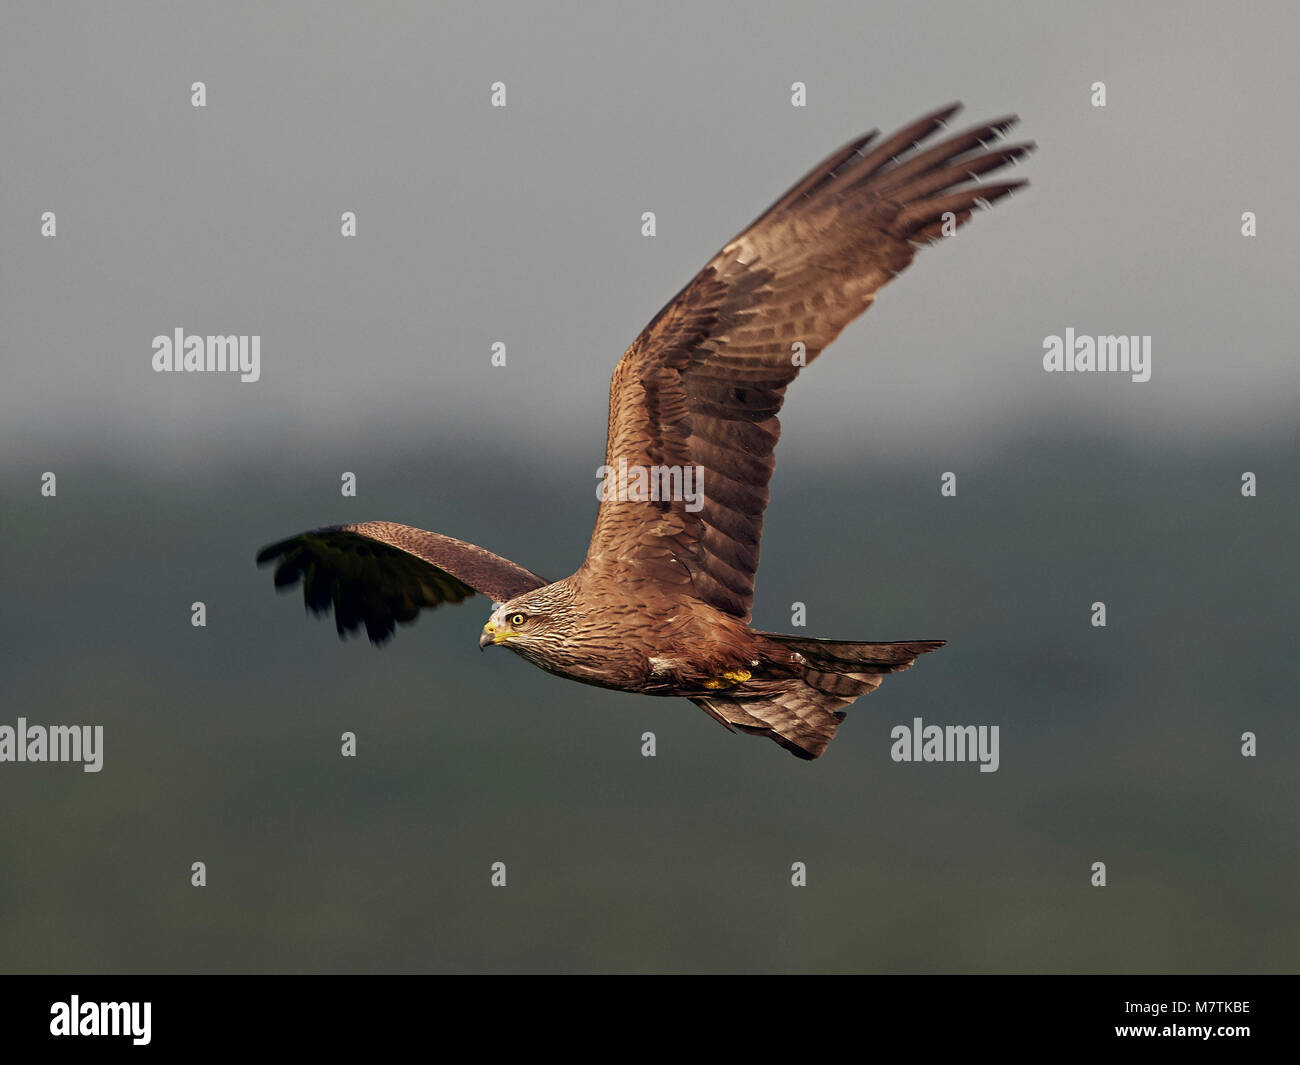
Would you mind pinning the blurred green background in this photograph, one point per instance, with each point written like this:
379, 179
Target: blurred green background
222, 744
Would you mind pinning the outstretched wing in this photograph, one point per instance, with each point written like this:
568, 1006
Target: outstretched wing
703, 383
380, 573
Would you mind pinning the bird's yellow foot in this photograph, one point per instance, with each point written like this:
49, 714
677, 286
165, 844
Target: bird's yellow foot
729, 679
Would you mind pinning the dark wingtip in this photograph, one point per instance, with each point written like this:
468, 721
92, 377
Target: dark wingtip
271, 552
947, 111
1002, 188
1004, 122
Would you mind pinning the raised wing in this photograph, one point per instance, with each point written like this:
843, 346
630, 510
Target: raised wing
703, 383
379, 573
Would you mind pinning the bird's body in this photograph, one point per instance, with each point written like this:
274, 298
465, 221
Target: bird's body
622, 635
661, 604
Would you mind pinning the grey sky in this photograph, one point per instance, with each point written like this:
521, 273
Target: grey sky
522, 225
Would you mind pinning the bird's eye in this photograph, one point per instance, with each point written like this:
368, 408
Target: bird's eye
516, 620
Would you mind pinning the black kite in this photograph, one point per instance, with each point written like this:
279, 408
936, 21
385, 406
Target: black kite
661, 605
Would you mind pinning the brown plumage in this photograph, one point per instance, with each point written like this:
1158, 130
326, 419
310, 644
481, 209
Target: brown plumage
661, 605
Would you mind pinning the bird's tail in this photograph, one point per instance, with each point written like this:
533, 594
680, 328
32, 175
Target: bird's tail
802, 715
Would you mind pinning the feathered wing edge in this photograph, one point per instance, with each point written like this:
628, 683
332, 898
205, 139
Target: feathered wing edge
702, 385
379, 573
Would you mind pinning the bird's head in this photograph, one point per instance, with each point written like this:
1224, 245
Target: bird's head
531, 624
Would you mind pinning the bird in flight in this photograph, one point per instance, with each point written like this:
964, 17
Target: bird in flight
661, 604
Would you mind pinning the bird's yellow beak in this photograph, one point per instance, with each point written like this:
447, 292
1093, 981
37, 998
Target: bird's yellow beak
492, 635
